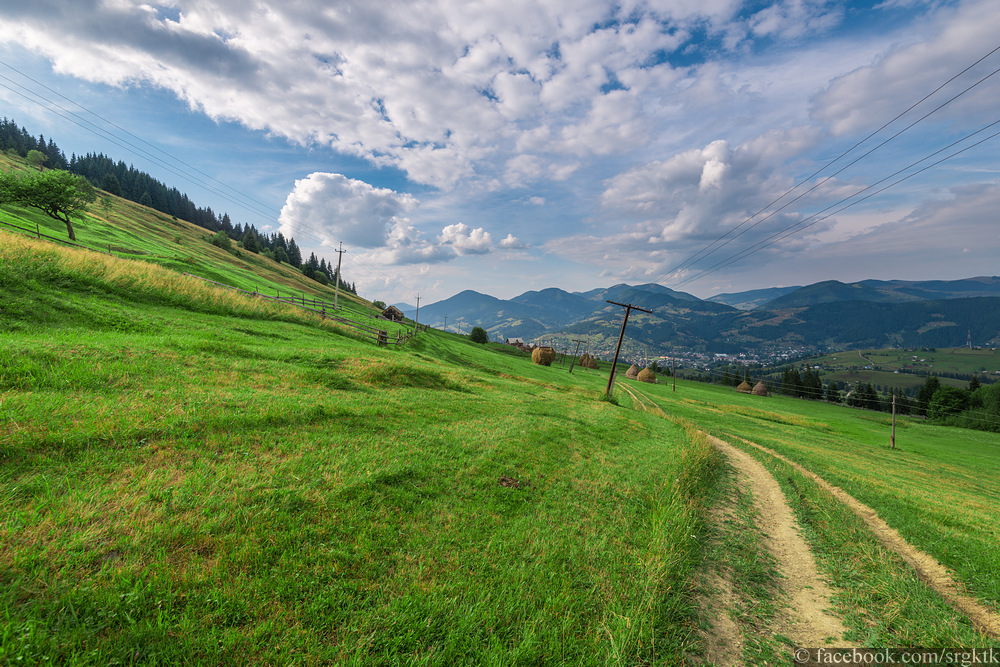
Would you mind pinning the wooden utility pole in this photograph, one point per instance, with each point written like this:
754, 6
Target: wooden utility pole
892, 438
673, 371
578, 344
340, 256
416, 316
628, 309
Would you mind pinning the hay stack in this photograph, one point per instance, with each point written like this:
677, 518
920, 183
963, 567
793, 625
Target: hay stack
744, 387
646, 375
761, 389
543, 356
633, 372
588, 361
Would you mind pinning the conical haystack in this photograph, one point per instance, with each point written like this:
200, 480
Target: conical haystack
646, 375
744, 387
543, 356
588, 361
761, 389
633, 372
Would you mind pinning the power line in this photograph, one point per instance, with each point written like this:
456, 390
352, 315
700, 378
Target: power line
708, 250
237, 197
799, 226
137, 138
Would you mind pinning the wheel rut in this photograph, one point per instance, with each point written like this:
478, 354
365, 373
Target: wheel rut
807, 620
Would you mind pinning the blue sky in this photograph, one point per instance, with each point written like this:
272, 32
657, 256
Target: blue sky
510, 145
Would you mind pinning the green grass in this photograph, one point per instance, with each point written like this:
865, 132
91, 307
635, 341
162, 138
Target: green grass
937, 490
189, 475
206, 479
132, 231
906, 368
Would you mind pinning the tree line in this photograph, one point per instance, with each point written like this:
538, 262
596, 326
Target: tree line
976, 406
127, 182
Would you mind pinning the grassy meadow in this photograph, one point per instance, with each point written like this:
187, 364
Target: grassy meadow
192, 476
907, 369
204, 478
937, 489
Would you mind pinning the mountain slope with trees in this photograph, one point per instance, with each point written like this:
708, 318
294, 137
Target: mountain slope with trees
125, 181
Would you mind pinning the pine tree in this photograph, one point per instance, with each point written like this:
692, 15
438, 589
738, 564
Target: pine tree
294, 254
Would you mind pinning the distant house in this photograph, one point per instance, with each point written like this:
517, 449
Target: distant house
393, 314
516, 342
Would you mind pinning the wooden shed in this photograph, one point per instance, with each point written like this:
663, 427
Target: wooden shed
393, 314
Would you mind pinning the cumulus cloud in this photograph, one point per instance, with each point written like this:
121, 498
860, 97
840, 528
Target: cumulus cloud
869, 96
510, 242
646, 128
335, 208
465, 240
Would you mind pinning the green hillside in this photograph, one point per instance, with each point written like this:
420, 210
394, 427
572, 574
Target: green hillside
191, 475
127, 230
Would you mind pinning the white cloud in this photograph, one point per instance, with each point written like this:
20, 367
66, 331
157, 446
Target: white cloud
510, 242
335, 208
465, 240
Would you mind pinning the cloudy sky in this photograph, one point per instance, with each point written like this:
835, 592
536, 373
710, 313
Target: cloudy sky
505, 145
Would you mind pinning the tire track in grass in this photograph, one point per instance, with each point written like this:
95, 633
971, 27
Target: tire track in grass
936, 576
806, 621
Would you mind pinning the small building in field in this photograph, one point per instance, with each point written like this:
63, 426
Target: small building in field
393, 314
516, 342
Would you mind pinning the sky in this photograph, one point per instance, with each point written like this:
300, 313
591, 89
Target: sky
711, 146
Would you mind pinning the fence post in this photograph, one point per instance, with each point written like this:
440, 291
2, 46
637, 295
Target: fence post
38, 231
383, 338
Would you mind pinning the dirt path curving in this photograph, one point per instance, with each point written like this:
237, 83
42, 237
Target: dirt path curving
807, 621
935, 575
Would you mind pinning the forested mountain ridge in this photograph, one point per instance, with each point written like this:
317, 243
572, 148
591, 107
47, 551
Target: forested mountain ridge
682, 321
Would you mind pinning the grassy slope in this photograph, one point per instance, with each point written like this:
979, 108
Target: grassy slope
192, 474
849, 366
137, 232
189, 477
938, 490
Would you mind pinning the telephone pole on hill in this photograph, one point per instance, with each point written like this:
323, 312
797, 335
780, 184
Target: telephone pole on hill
336, 292
578, 344
628, 309
416, 316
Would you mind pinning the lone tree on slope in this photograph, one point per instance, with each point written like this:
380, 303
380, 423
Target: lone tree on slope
59, 194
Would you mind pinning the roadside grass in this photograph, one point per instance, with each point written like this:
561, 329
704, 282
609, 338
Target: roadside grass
736, 550
937, 490
200, 481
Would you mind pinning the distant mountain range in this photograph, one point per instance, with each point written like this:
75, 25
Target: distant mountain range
830, 314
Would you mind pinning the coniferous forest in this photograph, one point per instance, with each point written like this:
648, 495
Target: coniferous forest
127, 182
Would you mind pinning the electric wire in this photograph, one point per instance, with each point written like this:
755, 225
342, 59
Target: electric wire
240, 199
122, 143
137, 138
708, 250
800, 226
845, 167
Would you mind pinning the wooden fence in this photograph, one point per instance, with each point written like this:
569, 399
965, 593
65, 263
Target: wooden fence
324, 309
379, 336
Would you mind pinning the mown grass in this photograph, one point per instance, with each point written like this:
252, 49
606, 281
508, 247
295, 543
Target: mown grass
202, 479
937, 490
